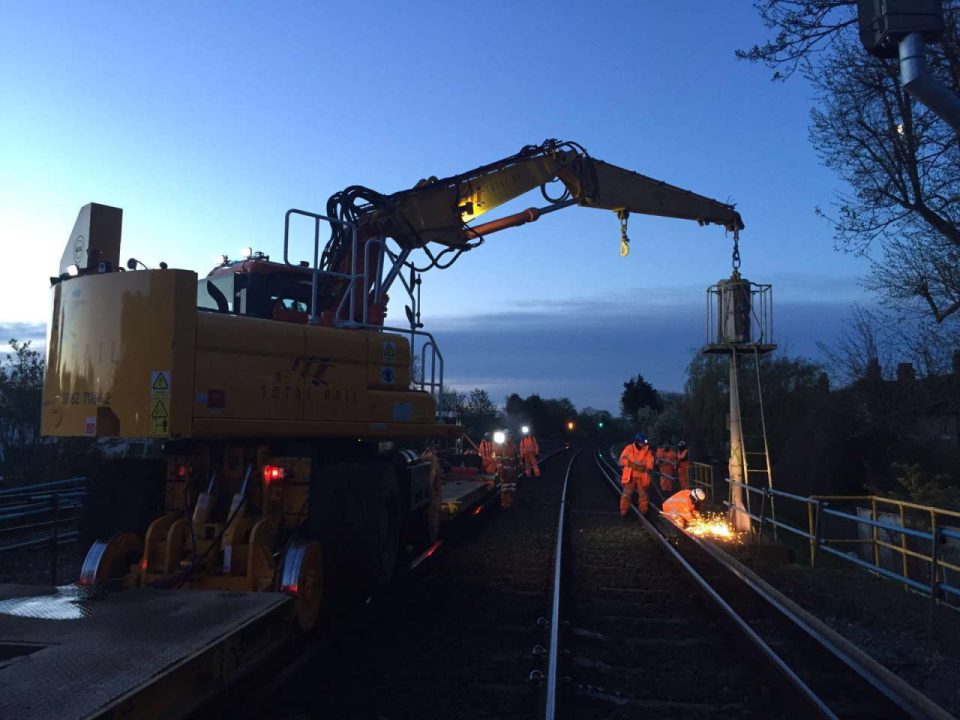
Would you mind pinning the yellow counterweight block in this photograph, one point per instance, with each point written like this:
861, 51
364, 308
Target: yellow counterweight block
120, 355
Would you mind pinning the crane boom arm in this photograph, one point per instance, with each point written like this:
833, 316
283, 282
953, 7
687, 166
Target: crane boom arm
618, 188
439, 211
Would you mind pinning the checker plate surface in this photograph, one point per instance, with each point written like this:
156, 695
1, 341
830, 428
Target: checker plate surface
95, 651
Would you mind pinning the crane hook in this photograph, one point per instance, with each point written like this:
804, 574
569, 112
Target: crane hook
622, 216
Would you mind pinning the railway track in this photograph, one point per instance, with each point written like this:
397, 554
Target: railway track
671, 627
453, 637
642, 626
632, 637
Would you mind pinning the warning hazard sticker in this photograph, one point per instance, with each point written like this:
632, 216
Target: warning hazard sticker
389, 351
160, 383
158, 409
159, 418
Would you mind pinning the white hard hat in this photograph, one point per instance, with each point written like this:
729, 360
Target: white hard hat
698, 495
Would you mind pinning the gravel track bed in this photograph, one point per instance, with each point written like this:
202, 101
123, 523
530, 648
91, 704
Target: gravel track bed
877, 615
640, 640
456, 640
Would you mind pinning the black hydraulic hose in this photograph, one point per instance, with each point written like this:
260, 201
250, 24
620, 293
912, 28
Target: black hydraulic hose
175, 580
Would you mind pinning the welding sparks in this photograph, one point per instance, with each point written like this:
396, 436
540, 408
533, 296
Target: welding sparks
713, 525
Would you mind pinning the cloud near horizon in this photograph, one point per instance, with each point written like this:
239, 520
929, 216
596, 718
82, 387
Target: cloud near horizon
585, 353
581, 349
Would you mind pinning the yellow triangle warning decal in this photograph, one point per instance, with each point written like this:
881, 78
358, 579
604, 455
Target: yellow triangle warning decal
159, 410
160, 382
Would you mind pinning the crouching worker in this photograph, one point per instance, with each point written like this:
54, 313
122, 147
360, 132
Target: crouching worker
684, 506
637, 462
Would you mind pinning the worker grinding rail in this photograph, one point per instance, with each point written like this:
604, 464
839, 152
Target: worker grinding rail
683, 507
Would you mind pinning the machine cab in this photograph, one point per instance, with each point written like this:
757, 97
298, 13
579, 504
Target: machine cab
257, 287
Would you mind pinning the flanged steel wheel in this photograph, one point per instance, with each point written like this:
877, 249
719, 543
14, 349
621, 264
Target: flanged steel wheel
111, 559
301, 575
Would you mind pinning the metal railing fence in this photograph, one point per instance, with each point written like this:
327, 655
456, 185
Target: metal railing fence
701, 476
922, 551
43, 515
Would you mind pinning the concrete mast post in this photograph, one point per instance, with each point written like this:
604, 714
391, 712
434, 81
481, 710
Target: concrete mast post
738, 517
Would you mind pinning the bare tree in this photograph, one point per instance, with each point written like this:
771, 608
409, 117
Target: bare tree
882, 337
803, 28
900, 161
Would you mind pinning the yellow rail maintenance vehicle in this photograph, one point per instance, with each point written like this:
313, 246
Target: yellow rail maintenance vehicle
292, 421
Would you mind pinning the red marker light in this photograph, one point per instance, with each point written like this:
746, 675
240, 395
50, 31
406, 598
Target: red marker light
272, 473
478, 510
182, 471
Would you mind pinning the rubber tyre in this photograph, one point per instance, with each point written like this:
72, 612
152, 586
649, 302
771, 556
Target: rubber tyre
389, 520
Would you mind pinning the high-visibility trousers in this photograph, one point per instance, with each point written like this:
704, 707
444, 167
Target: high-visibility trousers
530, 465
508, 487
638, 486
684, 475
489, 466
666, 477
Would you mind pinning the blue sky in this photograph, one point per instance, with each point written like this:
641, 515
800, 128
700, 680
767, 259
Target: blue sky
206, 122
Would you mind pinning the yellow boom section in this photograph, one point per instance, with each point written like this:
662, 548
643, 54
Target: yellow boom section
438, 211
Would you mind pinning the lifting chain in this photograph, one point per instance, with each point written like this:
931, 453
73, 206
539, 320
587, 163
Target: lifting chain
736, 252
622, 216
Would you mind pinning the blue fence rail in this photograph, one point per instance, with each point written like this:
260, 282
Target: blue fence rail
920, 550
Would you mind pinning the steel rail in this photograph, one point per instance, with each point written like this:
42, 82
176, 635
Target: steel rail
550, 711
299, 653
892, 688
26, 509
77, 482
805, 692
896, 690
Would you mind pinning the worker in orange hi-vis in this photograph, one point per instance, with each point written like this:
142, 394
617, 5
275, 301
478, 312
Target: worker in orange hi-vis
486, 455
637, 462
508, 466
529, 449
683, 465
667, 462
684, 506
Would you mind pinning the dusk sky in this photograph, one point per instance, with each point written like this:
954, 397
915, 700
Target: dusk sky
205, 122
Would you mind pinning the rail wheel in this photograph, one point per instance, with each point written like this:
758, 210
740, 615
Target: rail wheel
110, 560
301, 575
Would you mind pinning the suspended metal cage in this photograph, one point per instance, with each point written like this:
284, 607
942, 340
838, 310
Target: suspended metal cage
739, 316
